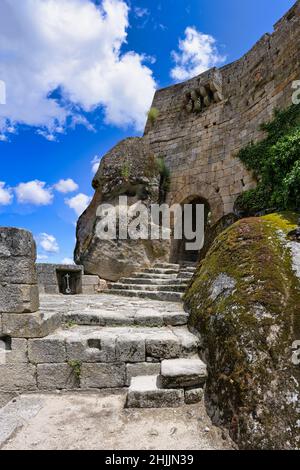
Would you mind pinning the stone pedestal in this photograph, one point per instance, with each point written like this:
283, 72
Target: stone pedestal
18, 278
19, 295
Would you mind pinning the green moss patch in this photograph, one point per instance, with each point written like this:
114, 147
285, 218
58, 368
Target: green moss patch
248, 329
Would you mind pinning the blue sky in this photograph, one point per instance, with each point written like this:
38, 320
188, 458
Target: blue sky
97, 65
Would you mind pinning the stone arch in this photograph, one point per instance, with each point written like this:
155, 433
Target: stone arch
201, 190
195, 193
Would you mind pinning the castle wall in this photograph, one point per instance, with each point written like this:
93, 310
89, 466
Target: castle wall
200, 148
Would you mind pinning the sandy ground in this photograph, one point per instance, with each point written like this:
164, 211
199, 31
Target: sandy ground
67, 421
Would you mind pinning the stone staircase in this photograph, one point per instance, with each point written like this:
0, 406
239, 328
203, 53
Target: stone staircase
164, 281
179, 382
107, 341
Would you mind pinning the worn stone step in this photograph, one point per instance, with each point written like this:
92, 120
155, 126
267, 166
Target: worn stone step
149, 287
144, 393
140, 317
185, 275
144, 275
189, 269
182, 373
161, 271
164, 296
166, 266
87, 344
165, 282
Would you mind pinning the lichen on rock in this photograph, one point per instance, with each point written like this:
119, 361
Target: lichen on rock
244, 302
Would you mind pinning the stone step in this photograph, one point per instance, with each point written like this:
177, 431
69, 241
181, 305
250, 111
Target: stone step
190, 269
144, 275
149, 288
107, 345
182, 373
144, 393
188, 264
163, 296
141, 317
156, 282
166, 266
161, 271
185, 275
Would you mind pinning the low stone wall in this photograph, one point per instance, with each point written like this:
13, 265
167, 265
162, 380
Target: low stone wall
50, 278
93, 285
20, 317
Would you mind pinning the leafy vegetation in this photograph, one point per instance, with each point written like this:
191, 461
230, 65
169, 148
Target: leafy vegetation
153, 114
125, 171
165, 178
275, 162
76, 367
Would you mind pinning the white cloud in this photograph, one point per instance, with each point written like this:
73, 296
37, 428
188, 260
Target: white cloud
42, 257
95, 164
67, 261
6, 195
78, 203
61, 59
140, 12
34, 192
48, 243
66, 186
197, 53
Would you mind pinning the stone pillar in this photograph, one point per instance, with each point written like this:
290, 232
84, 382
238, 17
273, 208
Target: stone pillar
18, 278
19, 295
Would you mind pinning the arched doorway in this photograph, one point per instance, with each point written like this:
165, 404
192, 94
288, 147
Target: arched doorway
180, 254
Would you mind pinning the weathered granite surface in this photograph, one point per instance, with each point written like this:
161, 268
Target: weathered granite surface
19, 294
244, 302
128, 170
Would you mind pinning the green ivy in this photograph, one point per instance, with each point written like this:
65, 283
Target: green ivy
275, 162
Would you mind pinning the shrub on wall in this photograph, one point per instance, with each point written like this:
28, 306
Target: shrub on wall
153, 114
275, 162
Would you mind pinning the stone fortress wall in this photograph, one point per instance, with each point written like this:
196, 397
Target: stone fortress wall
200, 147
201, 126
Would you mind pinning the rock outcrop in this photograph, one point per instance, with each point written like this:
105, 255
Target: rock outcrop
244, 302
130, 170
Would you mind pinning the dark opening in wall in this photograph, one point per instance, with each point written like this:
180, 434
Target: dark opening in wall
180, 254
94, 343
69, 282
5, 343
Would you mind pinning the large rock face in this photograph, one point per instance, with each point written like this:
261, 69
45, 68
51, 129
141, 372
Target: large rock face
244, 302
129, 170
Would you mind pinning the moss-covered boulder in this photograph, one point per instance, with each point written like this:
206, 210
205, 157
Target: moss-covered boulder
245, 303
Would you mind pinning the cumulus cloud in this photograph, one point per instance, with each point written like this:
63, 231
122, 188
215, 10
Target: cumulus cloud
95, 164
66, 186
197, 53
34, 192
6, 195
62, 59
78, 203
48, 243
